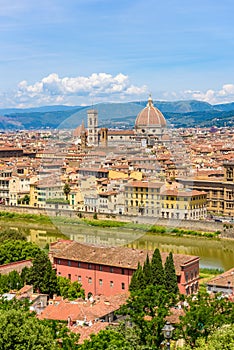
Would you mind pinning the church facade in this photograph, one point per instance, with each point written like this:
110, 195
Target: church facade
150, 126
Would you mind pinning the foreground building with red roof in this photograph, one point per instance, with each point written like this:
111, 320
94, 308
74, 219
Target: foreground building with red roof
108, 270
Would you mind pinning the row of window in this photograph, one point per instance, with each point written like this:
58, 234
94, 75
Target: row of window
141, 189
90, 266
189, 276
111, 283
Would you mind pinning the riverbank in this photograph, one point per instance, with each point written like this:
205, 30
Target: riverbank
213, 252
42, 219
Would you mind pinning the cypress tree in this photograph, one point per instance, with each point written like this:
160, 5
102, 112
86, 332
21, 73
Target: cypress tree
157, 271
133, 286
170, 275
137, 281
42, 276
147, 271
140, 278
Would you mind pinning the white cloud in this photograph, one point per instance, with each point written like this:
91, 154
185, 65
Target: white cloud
224, 95
99, 87
76, 90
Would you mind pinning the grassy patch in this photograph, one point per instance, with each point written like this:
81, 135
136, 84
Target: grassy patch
150, 229
207, 274
104, 223
21, 216
182, 232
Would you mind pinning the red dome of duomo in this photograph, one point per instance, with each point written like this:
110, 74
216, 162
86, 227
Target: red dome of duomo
150, 117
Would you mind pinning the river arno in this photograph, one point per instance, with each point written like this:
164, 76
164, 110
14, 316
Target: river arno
213, 253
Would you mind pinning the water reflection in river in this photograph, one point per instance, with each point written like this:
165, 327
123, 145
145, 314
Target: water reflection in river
213, 253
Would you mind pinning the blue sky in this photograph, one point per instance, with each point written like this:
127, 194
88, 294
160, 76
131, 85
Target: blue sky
88, 51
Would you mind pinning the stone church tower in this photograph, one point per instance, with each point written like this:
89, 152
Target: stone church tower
92, 123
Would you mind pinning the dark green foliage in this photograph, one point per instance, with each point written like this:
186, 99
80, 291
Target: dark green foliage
10, 282
137, 280
24, 274
153, 273
147, 309
170, 275
222, 338
11, 251
204, 314
107, 340
59, 331
66, 190
42, 276
22, 330
70, 290
14, 304
147, 271
158, 277
24, 200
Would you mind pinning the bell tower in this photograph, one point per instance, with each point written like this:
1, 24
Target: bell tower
92, 123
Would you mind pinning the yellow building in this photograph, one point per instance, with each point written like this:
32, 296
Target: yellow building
219, 190
142, 198
183, 204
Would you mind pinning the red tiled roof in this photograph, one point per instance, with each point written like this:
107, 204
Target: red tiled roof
81, 309
144, 184
112, 256
224, 279
176, 193
86, 331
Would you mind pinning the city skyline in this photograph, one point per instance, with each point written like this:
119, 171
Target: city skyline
83, 52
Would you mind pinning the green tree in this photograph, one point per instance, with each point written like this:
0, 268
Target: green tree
147, 271
170, 275
26, 199
70, 290
146, 310
75, 291
107, 340
42, 276
11, 251
158, 277
24, 274
14, 304
4, 284
14, 280
22, 331
204, 314
66, 190
222, 338
137, 280
67, 339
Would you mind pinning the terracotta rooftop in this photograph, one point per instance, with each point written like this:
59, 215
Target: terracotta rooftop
120, 132
111, 256
144, 184
86, 331
191, 193
88, 310
224, 280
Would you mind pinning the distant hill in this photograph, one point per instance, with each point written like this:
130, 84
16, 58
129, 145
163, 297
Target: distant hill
190, 113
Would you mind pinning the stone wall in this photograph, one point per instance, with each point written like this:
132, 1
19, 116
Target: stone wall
200, 225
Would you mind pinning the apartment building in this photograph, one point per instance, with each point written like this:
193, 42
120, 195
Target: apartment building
142, 198
220, 190
183, 204
108, 270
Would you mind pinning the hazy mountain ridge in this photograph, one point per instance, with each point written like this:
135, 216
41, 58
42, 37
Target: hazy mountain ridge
178, 113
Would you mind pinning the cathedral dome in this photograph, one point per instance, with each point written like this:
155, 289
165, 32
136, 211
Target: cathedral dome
149, 118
